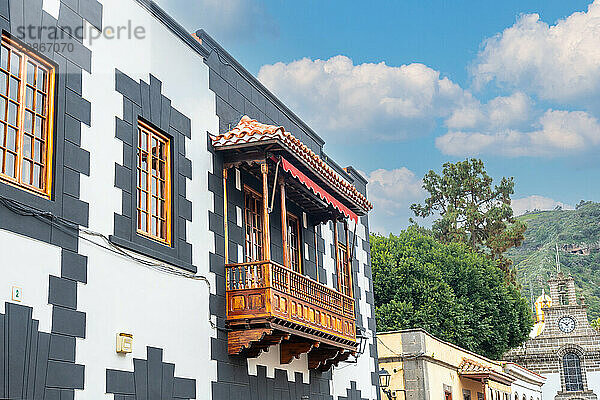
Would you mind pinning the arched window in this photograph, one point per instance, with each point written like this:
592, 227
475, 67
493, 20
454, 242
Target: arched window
516, 396
572, 372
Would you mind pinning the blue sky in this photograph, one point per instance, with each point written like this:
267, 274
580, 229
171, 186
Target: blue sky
398, 88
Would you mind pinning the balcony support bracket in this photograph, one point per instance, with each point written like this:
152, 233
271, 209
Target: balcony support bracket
252, 342
323, 359
290, 350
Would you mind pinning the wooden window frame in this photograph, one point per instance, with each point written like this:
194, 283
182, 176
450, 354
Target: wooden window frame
247, 190
27, 55
154, 132
343, 269
293, 217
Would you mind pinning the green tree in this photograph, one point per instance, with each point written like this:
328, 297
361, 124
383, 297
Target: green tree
449, 290
472, 210
596, 324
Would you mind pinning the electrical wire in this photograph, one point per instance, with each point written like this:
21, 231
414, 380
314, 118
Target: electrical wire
403, 356
74, 230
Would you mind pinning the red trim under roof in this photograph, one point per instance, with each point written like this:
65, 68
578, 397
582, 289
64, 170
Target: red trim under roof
316, 189
251, 131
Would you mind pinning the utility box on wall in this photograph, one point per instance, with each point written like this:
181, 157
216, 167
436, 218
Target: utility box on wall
124, 343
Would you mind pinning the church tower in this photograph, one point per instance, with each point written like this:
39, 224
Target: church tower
564, 348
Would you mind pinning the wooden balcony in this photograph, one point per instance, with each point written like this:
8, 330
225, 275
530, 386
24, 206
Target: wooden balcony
270, 304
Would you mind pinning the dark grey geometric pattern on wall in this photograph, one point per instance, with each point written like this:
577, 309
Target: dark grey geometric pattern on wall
151, 379
352, 393
237, 95
71, 110
143, 100
322, 273
370, 298
262, 387
33, 364
233, 380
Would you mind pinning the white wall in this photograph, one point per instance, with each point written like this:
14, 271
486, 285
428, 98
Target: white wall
521, 388
121, 295
361, 371
551, 387
52, 7
593, 379
270, 359
329, 257
553, 384
160, 310
27, 263
31, 273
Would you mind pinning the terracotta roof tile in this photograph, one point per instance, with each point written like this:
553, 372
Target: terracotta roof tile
249, 130
471, 366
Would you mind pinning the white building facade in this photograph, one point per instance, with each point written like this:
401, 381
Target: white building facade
153, 191
527, 385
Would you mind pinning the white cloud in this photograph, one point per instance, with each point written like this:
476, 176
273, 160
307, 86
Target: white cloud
501, 112
392, 192
381, 102
231, 21
560, 62
535, 202
556, 133
374, 100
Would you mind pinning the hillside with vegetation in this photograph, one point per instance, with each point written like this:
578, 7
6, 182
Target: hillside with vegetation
577, 233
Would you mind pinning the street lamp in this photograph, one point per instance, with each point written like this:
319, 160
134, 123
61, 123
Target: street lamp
384, 378
384, 383
363, 340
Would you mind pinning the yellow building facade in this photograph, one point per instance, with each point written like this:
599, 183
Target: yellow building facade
423, 367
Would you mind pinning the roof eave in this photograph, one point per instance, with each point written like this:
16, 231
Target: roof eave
357, 208
493, 375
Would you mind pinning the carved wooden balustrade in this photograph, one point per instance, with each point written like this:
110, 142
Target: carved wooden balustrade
268, 304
